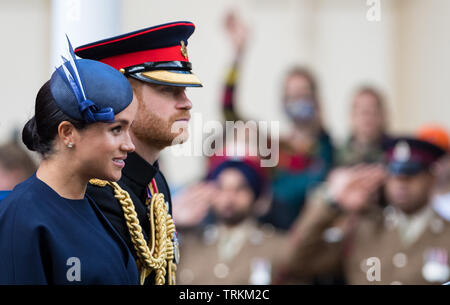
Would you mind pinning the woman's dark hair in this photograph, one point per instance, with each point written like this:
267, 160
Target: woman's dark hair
40, 131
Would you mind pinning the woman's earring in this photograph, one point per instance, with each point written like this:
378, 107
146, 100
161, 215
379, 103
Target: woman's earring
70, 145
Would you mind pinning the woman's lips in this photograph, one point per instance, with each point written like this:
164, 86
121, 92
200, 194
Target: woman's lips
119, 162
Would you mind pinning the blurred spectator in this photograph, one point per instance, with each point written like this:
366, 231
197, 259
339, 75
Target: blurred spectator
306, 154
15, 165
235, 250
438, 135
404, 243
368, 129
364, 146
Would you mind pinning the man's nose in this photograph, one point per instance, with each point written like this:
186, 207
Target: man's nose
184, 102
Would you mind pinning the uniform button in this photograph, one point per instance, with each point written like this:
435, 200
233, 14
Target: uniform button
332, 235
390, 220
186, 276
221, 270
400, 260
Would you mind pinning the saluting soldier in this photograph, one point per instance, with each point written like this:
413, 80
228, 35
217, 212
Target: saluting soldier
404, 242
156, 63
235, 250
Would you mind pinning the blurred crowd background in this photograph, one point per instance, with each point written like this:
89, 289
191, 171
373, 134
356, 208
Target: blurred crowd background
343, 87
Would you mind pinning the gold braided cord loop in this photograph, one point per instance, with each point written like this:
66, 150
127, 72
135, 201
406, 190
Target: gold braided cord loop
172, 270
98, 182
161, 254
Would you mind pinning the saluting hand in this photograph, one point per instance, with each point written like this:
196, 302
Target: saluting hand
191, 205
353, 188
237, 31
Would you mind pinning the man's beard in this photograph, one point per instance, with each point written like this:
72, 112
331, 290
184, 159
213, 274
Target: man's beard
157, 132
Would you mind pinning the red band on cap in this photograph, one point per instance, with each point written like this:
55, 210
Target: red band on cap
136, 58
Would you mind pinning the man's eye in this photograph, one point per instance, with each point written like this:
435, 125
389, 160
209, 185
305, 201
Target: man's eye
168, 90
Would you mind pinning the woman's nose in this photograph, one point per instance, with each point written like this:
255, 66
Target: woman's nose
128, 146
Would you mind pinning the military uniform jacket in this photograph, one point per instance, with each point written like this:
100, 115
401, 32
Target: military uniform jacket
210, 256
136, 176
379, 247
48, 239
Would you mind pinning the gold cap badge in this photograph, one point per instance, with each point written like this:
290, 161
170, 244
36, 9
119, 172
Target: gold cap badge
184, 50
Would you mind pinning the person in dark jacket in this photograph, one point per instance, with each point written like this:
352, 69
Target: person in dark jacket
155, 61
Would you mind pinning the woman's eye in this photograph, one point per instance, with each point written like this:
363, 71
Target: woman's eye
116, 129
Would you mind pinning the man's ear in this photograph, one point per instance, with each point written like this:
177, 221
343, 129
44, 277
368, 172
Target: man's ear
67, 133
